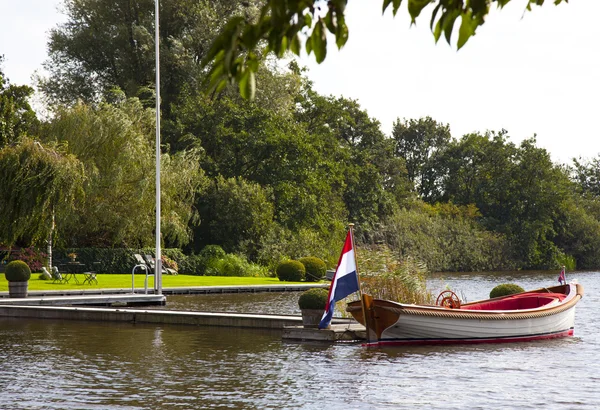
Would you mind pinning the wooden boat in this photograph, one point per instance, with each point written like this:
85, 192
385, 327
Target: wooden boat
538, 314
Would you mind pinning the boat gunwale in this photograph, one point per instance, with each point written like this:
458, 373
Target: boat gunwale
575, 294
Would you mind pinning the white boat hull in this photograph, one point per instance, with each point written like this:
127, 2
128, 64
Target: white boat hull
397, 323
430, 329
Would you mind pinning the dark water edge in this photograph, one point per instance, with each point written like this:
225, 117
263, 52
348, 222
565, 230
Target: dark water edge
79, 365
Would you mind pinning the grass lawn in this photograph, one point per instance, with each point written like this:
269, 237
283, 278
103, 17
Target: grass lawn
110, 281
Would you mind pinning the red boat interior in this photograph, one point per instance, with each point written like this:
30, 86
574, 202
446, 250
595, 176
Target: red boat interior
517, 302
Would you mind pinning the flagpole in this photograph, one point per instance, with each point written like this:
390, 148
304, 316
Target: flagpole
158, 259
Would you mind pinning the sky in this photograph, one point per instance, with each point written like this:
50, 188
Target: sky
527, 72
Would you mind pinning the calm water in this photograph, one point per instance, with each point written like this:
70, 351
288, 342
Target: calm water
77, 365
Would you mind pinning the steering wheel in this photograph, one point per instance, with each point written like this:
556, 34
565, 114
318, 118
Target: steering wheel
448, 299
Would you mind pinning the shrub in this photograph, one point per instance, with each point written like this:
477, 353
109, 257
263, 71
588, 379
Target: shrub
315, 268
212, 252
291, 271
506, 289
17, 271
169, 263
315, 298
234, 265
192, 265
33, 257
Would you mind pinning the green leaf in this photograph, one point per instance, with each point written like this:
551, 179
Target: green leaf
467, 29
247, 85
319, 40
448, 25
309, 46
341, 35
295, 45
397, 4
415, 7
386, 3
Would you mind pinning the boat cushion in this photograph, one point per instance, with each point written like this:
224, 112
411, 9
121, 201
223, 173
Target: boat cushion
517, 302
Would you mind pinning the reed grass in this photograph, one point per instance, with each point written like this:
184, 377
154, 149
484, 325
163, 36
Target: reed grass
385, 276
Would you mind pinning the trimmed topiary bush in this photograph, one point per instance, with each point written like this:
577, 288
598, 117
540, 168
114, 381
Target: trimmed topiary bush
506, 289
17, 271
315, 268
315, 298
291, 271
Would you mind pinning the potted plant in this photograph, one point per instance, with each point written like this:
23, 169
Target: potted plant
312, 305
17, 275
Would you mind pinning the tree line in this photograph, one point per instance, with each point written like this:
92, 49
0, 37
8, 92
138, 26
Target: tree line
279, 176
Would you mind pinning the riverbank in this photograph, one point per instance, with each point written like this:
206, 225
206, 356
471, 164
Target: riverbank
110, 282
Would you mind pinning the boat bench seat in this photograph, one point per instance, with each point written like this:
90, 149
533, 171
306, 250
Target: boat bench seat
519, 302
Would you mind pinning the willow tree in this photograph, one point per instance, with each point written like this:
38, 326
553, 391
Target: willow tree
115, 143
36, 182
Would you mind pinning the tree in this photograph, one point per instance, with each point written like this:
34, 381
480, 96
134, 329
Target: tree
16, 115
419, 143
235, 212
518, 190
587, 176
36, 182
115, 144
290, 25
106, 44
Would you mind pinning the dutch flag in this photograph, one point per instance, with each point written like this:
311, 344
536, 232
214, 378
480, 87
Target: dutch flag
344, 282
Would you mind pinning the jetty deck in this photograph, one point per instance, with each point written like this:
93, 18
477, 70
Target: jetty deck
114, 305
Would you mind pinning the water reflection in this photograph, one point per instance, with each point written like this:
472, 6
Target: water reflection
79, 365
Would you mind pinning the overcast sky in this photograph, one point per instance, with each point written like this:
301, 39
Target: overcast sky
527, 72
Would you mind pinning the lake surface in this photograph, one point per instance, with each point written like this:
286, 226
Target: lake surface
48, 364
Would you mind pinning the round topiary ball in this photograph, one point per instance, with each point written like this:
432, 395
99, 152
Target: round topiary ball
315, 268
506, 289
17, 271
290, 271
315, 298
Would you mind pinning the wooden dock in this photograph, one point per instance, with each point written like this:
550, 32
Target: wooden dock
89, 300
346, 332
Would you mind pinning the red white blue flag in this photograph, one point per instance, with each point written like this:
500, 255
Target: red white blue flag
344, 282
561, 277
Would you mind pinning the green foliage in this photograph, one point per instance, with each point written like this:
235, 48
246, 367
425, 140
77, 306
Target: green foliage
445, 238
17, 271
385, 276
106, 45
315, 298
506, 289
586, 173
192, 265
291, 271
291, 26
419, 143
16, 115
36, 182
234, 265
210, 252
114, 260
283, 244
315, 268
235, 211
115, 144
